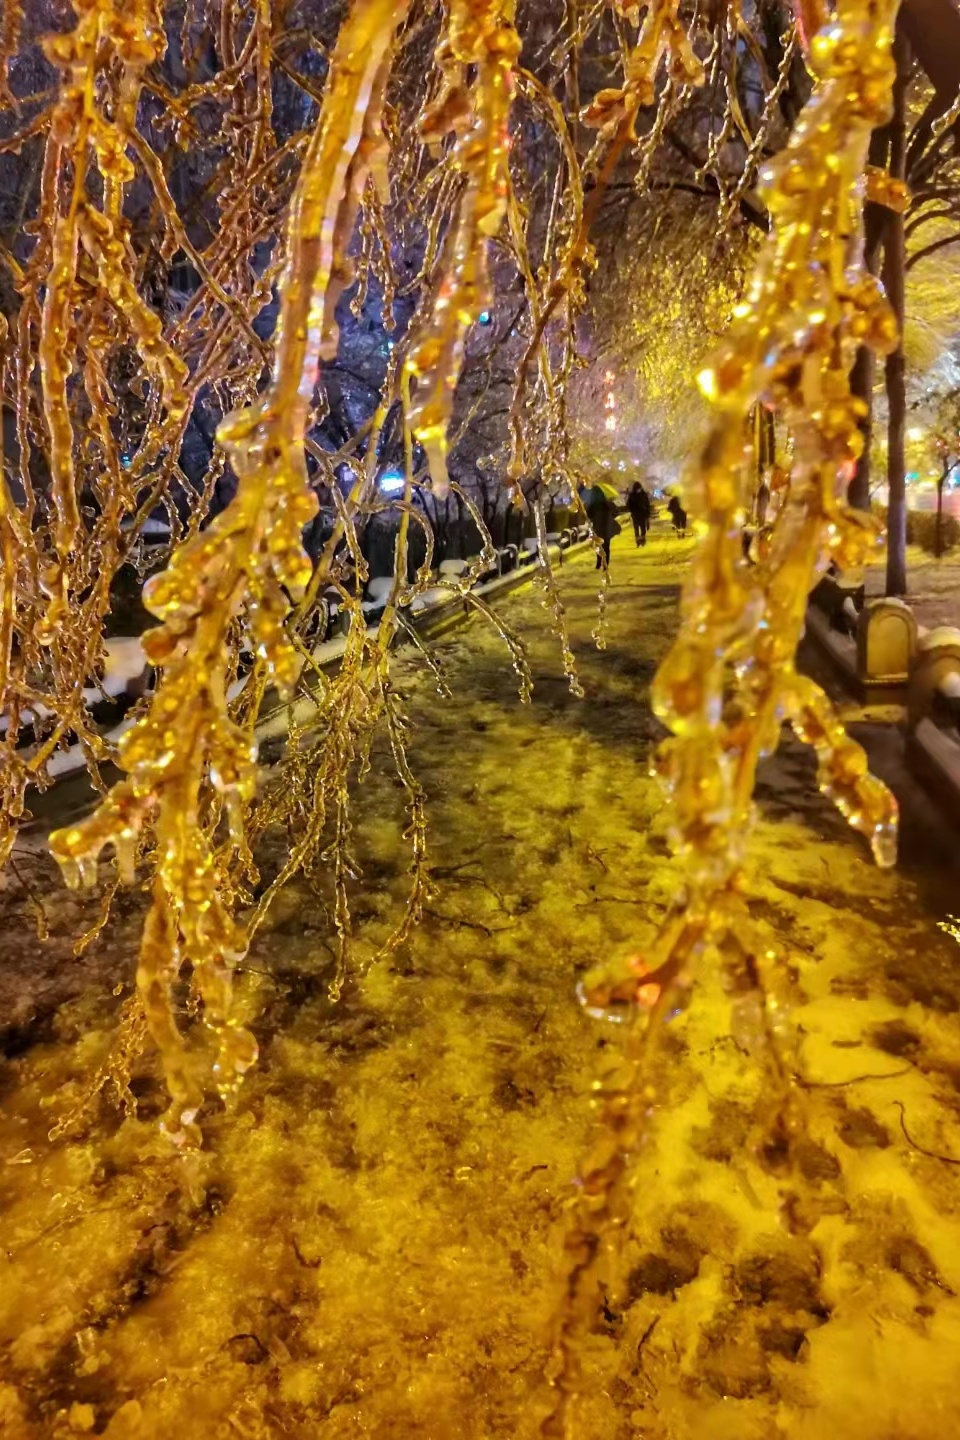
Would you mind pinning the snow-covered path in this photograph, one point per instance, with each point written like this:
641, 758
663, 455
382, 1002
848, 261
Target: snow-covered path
368, 1245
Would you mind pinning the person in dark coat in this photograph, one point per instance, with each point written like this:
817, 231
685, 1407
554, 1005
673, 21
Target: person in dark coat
638, 503
601, 511
678, 515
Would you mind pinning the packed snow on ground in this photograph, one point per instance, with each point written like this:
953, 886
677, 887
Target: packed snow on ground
369, 1243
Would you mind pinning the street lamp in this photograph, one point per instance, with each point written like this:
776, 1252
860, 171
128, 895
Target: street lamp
610, 402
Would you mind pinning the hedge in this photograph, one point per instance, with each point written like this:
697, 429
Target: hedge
922, 529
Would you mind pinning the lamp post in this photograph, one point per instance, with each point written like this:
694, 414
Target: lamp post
610, 402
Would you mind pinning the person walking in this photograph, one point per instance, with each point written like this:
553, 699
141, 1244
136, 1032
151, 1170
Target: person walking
638, 503
678, 515
600, 503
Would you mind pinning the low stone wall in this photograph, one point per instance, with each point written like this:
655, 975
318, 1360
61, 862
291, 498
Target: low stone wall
870, 644
882, 657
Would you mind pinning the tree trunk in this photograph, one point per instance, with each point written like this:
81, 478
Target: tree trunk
461, 529
932, 28
862, 378
894, 273
769, 438
864, 372
938, 538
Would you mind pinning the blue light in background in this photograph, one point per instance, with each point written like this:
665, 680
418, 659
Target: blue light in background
484, 317
391, 482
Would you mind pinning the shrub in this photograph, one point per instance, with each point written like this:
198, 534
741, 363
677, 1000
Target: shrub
922, 529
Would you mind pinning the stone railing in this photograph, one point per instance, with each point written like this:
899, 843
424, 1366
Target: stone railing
871, 643
933, 716
884, 658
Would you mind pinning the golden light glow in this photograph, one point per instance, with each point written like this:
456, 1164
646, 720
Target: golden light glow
192, 806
